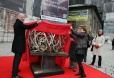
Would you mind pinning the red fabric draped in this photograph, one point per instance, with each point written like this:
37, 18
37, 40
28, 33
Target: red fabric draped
59, 29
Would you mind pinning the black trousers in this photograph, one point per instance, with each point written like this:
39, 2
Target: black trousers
80, 58
99, 60
16, 62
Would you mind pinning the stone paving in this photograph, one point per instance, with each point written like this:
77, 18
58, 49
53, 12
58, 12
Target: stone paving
107, 57
5, 49
107, 60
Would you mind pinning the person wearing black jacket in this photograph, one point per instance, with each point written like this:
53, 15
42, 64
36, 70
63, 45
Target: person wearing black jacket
18, 45
72, 63
80, 49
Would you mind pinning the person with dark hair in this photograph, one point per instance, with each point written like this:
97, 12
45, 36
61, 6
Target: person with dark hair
89, 42
18, 45
98, 43
80, 49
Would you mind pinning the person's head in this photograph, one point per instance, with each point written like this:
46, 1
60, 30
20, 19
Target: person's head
79, 29
82, 29
21, 17
100, 32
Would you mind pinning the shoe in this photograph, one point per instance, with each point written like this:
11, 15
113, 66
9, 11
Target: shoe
17, 76
91, 64
82, 76
85, 61
74, 70
78, 74
99, 66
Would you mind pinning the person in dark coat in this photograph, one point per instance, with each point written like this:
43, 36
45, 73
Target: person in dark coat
72, 63
80, 49
18, 45
113, 44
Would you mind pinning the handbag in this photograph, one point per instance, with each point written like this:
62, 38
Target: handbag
93, 45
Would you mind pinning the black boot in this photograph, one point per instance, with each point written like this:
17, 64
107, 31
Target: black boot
17, 76
82, 76
78, 74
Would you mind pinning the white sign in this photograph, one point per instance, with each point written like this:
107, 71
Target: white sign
109, 30
54, 19
109, 16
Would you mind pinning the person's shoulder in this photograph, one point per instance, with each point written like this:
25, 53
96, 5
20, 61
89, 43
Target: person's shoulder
103, 36
18, 23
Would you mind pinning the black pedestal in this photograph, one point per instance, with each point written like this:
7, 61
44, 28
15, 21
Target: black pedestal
46, 65
38, 72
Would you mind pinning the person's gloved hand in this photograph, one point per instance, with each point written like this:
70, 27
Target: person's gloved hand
67, 55
96, 46
71, 27
39, 21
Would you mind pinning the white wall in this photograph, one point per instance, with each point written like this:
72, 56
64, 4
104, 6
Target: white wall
29, 6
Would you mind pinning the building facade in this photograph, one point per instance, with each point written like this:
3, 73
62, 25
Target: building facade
85, 15
32, 8
106, 12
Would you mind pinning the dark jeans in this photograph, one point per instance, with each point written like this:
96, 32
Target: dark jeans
79, 58
16, 62
99, 60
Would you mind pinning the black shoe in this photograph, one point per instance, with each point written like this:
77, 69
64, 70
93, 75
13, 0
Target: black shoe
82, 76
99, 66
91, 64
17, 76
78, 74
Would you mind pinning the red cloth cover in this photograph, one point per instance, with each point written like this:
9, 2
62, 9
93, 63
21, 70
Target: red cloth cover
59, 29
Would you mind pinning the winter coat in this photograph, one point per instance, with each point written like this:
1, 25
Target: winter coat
81, 42
99, 40
72, 52
18, 45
